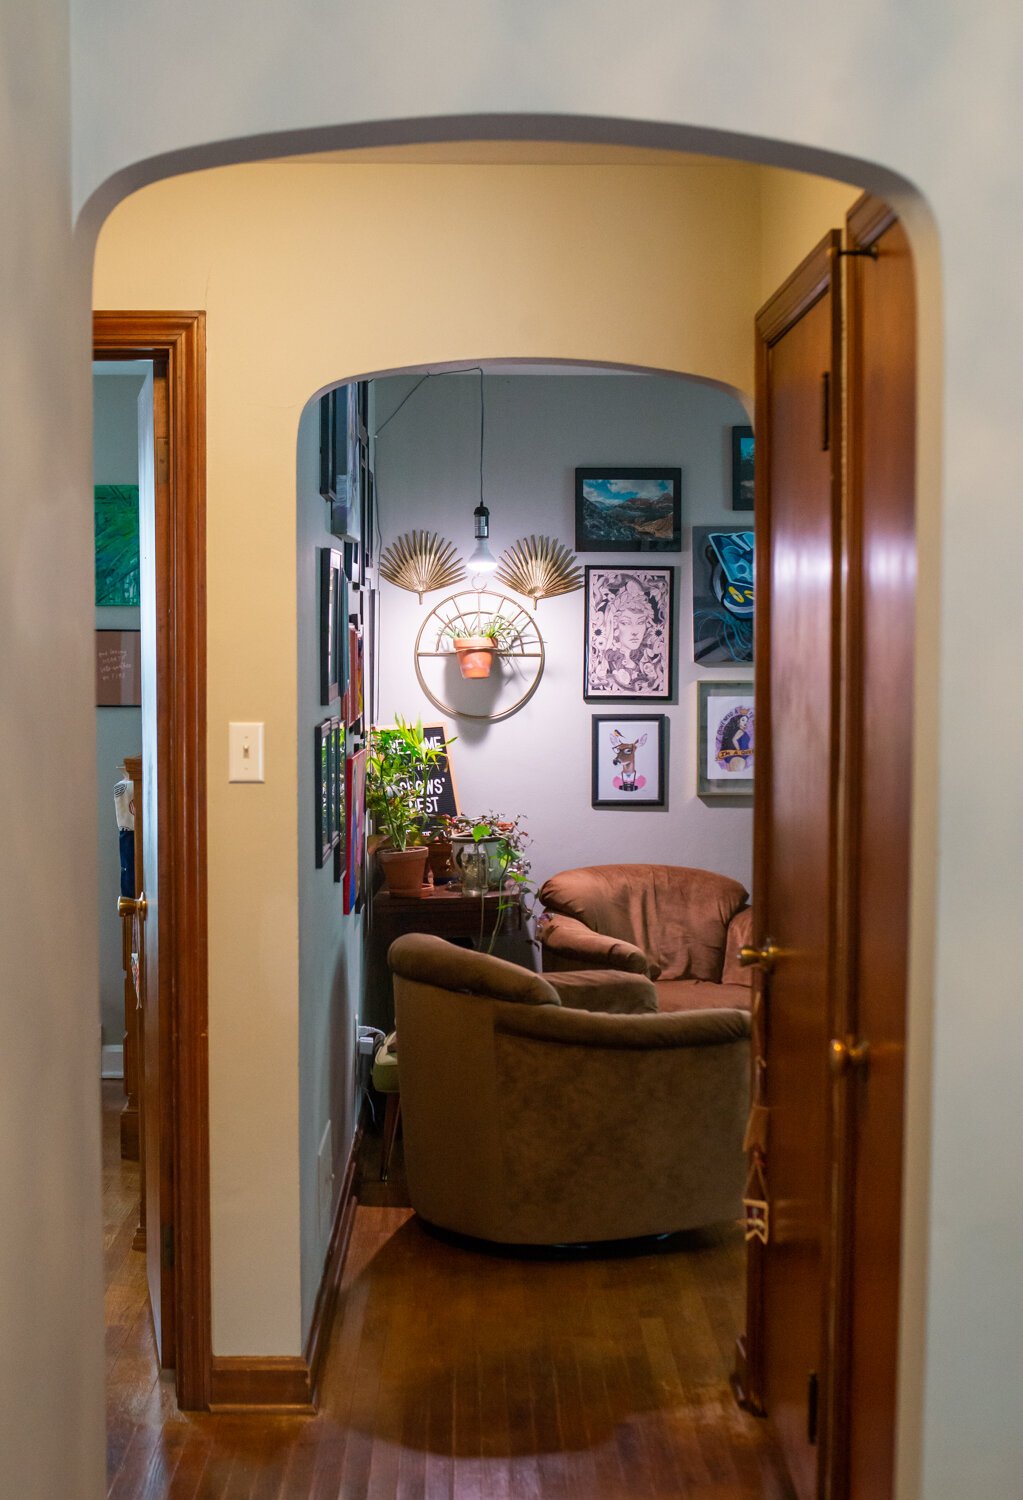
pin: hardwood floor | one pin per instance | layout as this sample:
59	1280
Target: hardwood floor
454	1372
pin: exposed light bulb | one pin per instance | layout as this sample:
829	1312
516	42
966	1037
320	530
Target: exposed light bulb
481	559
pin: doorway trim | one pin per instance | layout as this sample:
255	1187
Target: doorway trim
179	338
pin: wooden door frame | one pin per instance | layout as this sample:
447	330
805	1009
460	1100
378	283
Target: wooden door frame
179	339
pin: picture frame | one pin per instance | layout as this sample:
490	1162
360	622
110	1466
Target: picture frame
629	762
337	787
354	846
743	448
333	612
629	633
117	555
723	595
726	738
118	669
326	832
628	510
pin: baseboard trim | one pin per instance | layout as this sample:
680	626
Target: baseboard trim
333	1267
289	1383
111	1062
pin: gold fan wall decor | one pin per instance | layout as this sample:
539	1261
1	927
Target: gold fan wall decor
421	561
539	566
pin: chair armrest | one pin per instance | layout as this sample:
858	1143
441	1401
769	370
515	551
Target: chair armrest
570	944
613	991
637	1033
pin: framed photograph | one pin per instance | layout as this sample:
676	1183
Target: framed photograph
723	596
628	510
629	634
354	883
630	756
326	833
726	739
742	468
118	668
338	794
332	613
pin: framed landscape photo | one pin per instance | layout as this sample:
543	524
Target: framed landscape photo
628	510
726	739
629	634
742	468
629	761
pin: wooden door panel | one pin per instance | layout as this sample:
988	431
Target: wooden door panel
882	498
794	832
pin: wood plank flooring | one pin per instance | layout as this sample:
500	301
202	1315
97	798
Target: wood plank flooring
457	1373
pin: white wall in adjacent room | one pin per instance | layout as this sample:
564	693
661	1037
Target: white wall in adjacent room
538	429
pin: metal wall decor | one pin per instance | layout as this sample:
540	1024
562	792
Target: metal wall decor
421	561
519	655
540	567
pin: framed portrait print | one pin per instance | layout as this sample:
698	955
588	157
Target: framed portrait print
629	634
630	761
628	510
726	739
742	468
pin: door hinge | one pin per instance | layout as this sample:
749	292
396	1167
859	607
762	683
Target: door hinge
811	1407
168	1246
826	411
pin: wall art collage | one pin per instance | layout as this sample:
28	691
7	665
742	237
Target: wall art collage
630	631
349	628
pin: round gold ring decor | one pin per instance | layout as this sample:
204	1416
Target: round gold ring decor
458	616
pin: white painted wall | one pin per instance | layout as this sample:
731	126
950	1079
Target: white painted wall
115	460
538	429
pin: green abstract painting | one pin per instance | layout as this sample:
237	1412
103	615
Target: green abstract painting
117	544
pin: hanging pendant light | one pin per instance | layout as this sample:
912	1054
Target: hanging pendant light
481	559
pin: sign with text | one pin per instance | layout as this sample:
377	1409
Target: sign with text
118	669
441	791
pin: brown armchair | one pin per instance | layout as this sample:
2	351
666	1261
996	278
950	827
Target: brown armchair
682	928
528	1121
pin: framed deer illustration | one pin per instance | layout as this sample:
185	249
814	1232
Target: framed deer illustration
630	761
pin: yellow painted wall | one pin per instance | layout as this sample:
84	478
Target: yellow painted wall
310	273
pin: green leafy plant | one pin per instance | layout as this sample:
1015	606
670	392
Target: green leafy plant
510	842
398	767
493	628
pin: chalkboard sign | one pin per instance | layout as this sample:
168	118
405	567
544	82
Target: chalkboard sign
441	792
118	669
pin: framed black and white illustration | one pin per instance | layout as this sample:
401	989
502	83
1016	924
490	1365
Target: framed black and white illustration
333	611
742	468
726	739
629	634
630	756
628	510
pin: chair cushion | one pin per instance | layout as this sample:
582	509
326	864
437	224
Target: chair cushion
607	990
431	960
678	916
675	995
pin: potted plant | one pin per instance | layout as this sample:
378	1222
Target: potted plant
398	767
475	640
505	841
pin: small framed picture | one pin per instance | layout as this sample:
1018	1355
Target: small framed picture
326	832
628	510
726	739
332	613
629	634
630	761
118	668
724	587
742	468
337	787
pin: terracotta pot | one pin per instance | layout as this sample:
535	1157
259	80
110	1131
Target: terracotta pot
439	855
404	869
475	655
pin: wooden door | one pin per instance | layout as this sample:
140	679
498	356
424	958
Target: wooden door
868	1085
798	406
156	1033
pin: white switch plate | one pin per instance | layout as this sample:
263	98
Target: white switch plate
245	752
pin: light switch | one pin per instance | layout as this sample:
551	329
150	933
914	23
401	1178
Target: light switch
245	752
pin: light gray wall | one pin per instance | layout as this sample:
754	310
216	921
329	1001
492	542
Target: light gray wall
115	460
330	944
538	429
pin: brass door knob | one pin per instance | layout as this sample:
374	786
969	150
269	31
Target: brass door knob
845	1056
130	906
760	958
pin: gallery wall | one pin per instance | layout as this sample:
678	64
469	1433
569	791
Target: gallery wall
115	460
538	429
